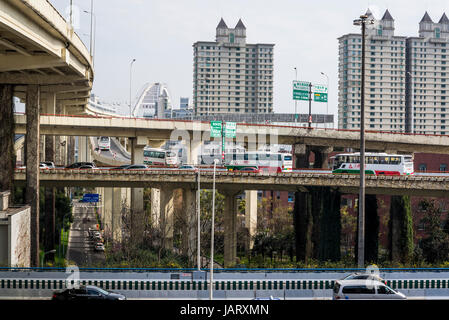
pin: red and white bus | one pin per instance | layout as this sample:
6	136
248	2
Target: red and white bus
264	160
375	163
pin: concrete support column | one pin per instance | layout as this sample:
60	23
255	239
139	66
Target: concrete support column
32	166
322	157
155	196
108	207
7	156
230	227
167	216
118	195
50	212
302	153
251	215
193	152
189	230
152	143
84	149
137	207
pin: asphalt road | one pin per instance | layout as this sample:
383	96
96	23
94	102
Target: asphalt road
80	249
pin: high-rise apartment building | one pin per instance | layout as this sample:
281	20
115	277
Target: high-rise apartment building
384	77
405	78
428	76
230	75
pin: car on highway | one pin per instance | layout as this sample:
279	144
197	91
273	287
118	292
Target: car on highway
248	169
48	164
137	167
99	246
186	167
43	166
122	167
363	290
364	276
82	165
86	293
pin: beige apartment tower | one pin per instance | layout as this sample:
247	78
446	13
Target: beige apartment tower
230	75
406	78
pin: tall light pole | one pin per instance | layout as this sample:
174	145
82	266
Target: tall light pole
327	100
130	84
212	237
93	30
198	214
296	102
362	21
409	116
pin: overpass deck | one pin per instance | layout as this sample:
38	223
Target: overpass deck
435	186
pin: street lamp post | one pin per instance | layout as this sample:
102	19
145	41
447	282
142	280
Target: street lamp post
212	236
327	100
130	84
362	21
198	214
93	30
409	128
296	102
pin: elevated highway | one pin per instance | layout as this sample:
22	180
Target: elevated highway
435	186
167	129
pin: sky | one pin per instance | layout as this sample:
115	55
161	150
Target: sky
159	34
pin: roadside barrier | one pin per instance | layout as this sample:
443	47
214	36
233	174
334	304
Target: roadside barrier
203	285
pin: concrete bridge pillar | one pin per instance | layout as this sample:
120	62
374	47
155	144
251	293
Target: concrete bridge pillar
155	198
32	166
108	204
118	198
7	157
251	215
137	206
59	160
230	227
50	212
301	152
193	152
189	230
166	216
322	157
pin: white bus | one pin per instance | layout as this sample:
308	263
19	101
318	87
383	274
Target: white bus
265	161
154	156
375	163
104	143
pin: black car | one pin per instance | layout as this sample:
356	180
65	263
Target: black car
82	165
86	293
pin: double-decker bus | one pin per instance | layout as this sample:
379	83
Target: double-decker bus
264	160
104	143
154	156
375	163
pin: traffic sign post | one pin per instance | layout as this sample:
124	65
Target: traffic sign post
91	197
319	93
301	90
215	129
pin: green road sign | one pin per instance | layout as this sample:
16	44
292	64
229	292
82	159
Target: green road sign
301	90
215	129
230	129
319	97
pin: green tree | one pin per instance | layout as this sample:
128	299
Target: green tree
401	229
435	246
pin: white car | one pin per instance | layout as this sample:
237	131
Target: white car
99	247
364	290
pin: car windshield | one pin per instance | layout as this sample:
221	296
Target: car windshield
102	291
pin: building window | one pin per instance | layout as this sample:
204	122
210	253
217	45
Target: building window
231	38
423	167
443	167
379	31
437	33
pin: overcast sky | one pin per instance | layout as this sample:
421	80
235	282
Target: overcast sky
159	34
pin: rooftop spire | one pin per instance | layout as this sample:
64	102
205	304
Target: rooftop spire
426	18
222	24
240	25
444	19
387	16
